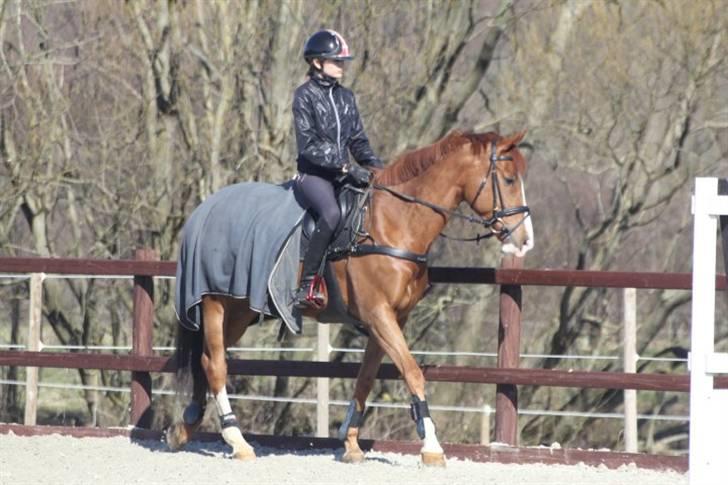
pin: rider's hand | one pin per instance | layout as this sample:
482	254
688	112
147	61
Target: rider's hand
374	163
359	175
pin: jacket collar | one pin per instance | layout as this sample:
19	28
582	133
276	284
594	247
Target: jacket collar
323	80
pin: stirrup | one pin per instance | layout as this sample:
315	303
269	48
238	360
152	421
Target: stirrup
308	294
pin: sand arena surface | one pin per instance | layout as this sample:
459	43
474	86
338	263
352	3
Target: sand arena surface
61	459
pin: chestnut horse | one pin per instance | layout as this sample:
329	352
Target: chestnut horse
415	197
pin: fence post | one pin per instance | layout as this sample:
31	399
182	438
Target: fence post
708	428
629	355
34	344
322	383
141	382
723	190
509	340
485	424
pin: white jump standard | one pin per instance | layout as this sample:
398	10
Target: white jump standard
708	423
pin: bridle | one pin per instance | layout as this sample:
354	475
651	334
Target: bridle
499	211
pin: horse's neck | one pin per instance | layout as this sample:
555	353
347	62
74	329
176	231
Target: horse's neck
414	226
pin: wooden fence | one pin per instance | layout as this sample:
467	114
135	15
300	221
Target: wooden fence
507	376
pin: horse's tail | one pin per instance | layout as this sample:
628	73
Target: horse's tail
189	360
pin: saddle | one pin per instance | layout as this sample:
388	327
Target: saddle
353	204
349	239
350	233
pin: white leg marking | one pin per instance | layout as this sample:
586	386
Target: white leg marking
222	402
430	443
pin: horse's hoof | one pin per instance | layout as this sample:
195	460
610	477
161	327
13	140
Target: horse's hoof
433	459
353	457
177	436
247	454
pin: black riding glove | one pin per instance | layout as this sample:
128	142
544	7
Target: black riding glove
359	175
374	163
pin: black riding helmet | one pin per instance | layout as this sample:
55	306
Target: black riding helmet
326	44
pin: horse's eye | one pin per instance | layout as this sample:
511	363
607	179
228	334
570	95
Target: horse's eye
509	180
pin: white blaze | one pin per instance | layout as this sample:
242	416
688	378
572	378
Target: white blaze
509	247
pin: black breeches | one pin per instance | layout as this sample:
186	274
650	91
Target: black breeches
318	193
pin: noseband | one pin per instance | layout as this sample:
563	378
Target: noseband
499	211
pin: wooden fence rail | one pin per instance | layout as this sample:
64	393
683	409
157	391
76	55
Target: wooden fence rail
440	274
348	370
506	376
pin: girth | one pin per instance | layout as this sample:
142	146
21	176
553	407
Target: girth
388	251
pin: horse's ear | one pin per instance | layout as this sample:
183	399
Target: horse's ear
510	141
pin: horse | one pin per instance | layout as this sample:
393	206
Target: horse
412	200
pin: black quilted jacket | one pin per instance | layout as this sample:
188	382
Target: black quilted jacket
328	127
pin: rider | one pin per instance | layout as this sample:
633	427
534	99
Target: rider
327	124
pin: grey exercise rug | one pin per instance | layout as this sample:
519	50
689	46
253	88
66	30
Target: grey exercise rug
243	241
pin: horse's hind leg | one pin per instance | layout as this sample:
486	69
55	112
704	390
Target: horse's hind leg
349	431
189	359
215	319
180	433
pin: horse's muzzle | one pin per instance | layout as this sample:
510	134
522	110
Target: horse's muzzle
519	239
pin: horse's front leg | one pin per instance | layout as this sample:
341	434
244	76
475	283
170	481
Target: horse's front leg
387	332
349	431
213	361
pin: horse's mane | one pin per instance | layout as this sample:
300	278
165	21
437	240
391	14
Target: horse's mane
411	164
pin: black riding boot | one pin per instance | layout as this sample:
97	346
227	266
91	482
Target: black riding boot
312	262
